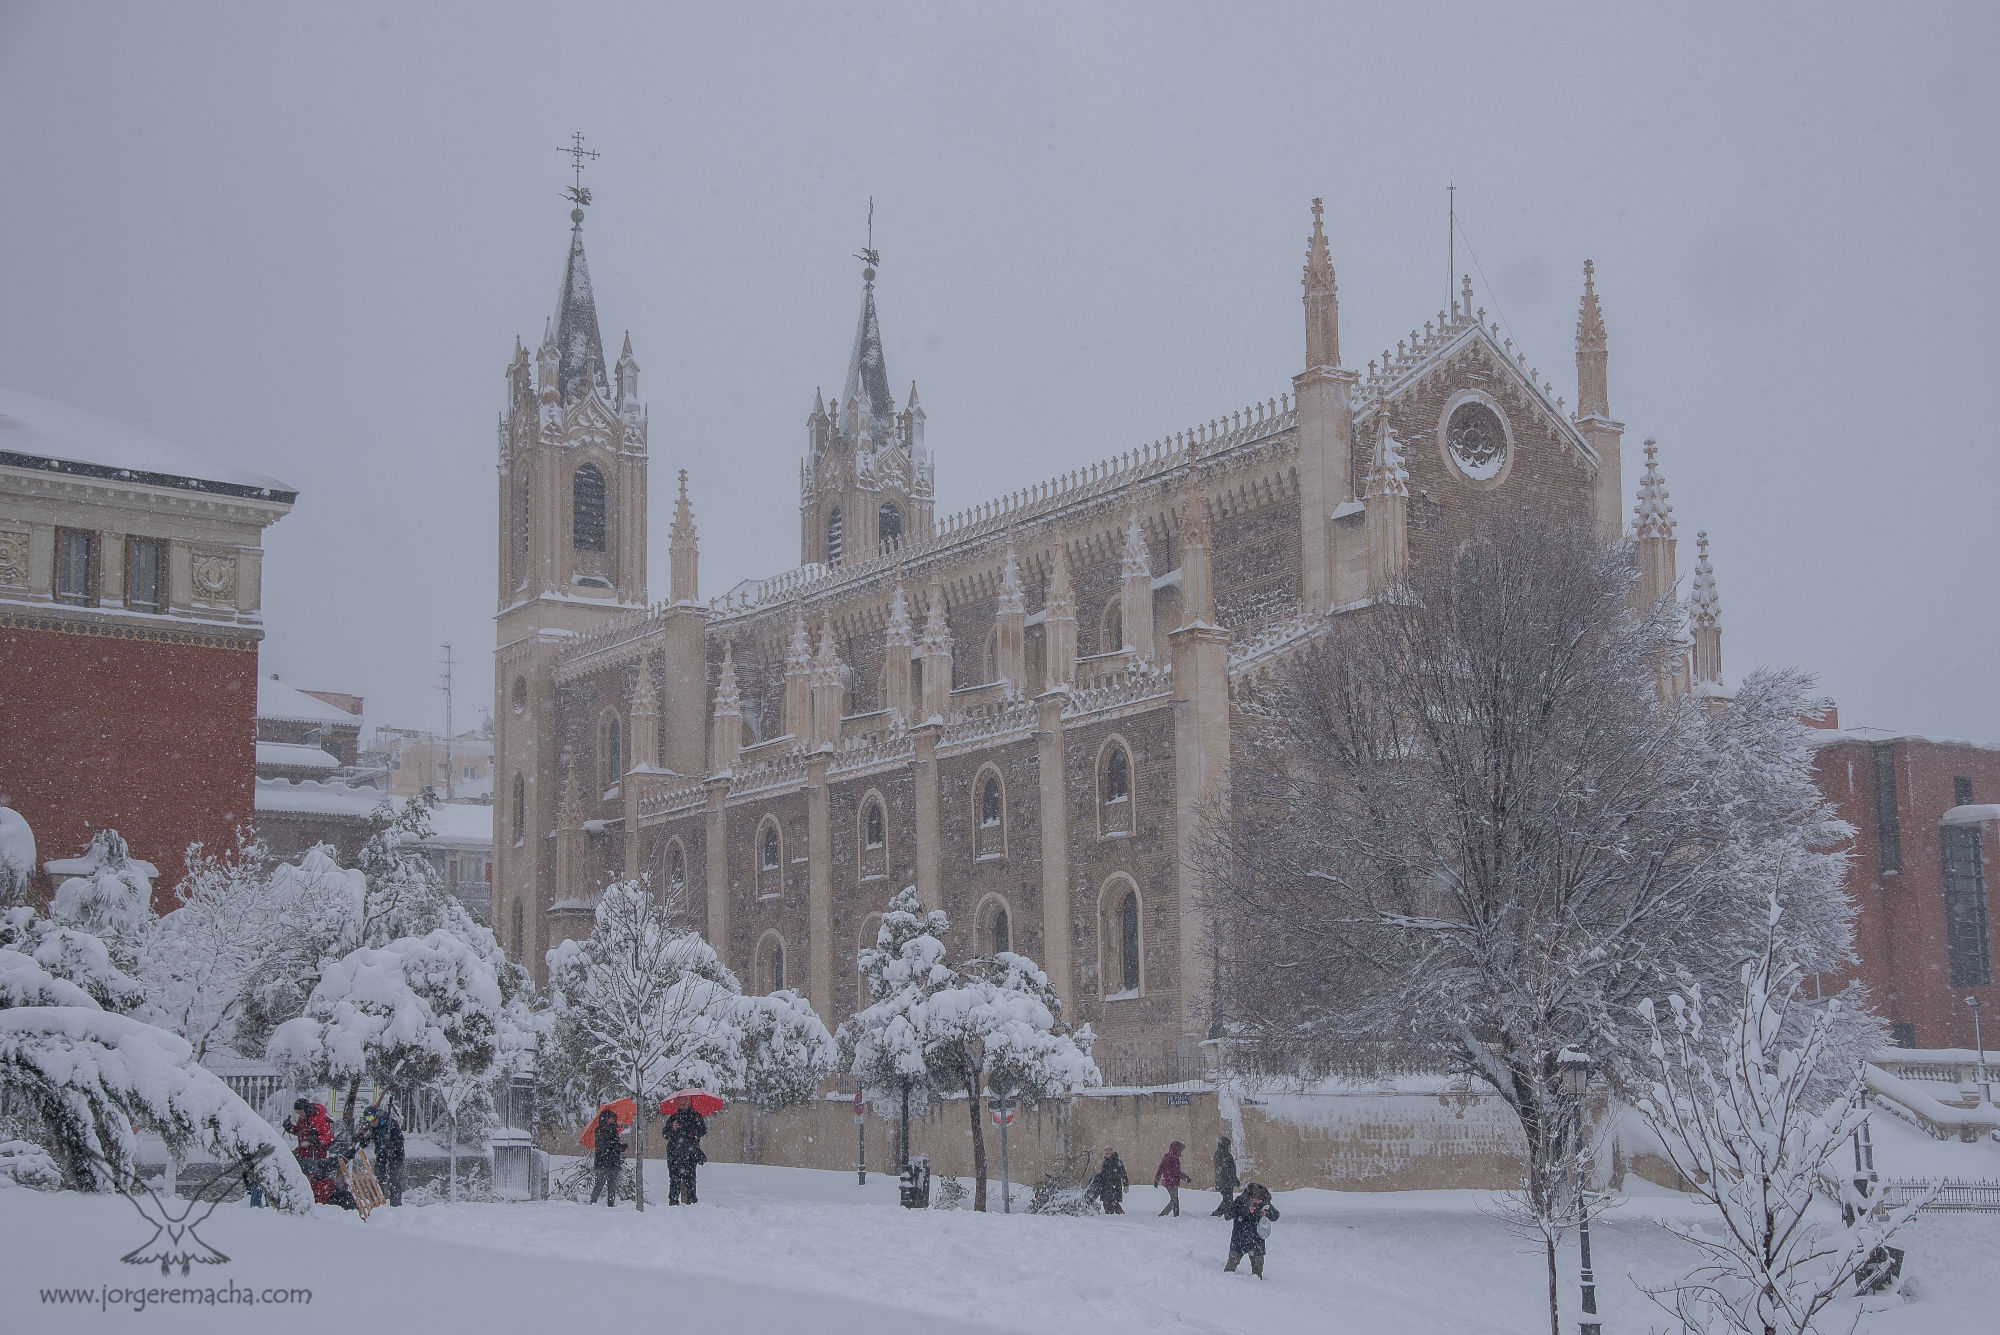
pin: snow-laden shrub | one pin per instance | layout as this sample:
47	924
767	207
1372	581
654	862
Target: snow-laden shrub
68	954
787	1051
111	899
89	1077
950	1194
26	1164
17	859
574	1182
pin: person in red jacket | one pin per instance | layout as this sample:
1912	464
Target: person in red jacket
1170	1176
314	1130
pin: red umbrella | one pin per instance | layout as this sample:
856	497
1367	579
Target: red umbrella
705	1103
626	1110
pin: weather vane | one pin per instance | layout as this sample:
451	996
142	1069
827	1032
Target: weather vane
869	255
578	195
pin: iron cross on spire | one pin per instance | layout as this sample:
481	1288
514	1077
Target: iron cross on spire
869	256
578	195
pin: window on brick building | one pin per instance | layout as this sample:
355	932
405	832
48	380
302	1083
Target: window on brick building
586	492
995	928
770	859
1961	792
76	567
520	809
874	839
610	758
770	963
676	871
834	536
520	695
1111	627
1122	974
890	525
520	933
1888	829
990	811
1114	790
1903	1035
1966	941
145	574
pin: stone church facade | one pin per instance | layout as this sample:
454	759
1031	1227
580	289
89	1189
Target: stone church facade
1018	708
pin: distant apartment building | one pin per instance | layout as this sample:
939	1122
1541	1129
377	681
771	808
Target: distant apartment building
1926	816
460	768
131	608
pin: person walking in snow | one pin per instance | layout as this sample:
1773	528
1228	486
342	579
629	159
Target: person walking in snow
607	1157
1169	1175
1111	1183
1225	1176
684	1153
1250	1218
381	1132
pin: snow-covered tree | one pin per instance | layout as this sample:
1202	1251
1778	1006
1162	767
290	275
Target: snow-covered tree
641	1008
787	1051
1741	1118
415	1012
197	963
72	955
17	859
87	1080
1482	835
999	1023
878	1044
111	899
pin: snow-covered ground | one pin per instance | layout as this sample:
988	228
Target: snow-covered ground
774	1248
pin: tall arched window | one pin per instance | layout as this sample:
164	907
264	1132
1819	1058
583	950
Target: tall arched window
520	810
520	933
520	695
677	875
586	493
521	526
874	839
990	808
610	760
1111	627
1114	790
1128	941
890	524
995	928
833	536
771	963
1121	941
770	859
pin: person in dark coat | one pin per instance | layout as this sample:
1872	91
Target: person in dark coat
1225	1176
607	1157
1246	1212
314	1130
1111	1182
1169	1175
382	1133
684	1153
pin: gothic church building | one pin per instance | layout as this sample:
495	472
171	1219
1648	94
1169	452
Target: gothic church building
1017	708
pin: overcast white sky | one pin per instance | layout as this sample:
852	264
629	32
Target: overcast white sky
303	239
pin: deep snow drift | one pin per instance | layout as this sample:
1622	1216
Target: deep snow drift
774	1248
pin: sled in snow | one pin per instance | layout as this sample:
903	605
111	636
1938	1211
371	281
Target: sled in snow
361	1184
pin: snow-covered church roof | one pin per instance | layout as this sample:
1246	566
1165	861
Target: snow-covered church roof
54	437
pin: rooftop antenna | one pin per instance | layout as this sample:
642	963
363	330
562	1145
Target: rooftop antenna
444	686
1451	242
870	257
577	194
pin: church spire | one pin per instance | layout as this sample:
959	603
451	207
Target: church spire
683	551
1322	298
1592	394
867	385
579	346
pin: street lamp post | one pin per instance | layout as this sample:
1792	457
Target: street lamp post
1985	1086
1576	1082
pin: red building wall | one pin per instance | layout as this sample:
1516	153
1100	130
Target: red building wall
1900	921
153	737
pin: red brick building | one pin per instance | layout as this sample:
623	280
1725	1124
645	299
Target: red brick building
130	597
1926	818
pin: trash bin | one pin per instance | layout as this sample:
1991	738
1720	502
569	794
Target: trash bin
916	1188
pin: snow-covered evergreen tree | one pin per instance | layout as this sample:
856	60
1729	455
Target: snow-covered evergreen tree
17	859
72	955
415	1012
786	1049
878	1044
111	899
1000	1023
1741	1119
